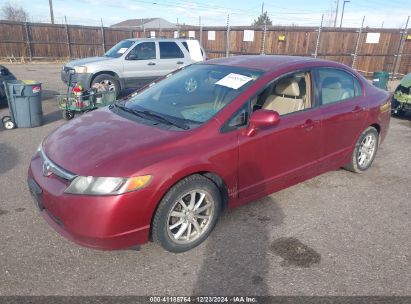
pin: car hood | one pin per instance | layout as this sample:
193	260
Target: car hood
86	61
406	81
101	143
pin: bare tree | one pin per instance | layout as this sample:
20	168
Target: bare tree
14	13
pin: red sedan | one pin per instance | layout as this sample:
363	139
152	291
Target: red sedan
165	162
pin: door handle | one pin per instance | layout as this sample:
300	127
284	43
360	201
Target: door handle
356	109
180	62
151	63
308	125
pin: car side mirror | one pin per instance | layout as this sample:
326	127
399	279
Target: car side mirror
132	57
261	119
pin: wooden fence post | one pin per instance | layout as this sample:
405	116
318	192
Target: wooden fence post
357	45
227	47
201	31
317	45
28	40
397	61
264	38
103	39
68	41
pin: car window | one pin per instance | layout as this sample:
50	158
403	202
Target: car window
357	87
119	49
185	45
143	51
239	119
169	50
288	94
196	93
336	85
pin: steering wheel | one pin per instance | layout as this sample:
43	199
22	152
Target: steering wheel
191	85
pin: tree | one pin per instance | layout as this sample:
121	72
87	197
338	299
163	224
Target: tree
262	20
14	13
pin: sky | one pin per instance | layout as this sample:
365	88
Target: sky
386	13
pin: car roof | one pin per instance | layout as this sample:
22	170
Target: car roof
159	39
266	62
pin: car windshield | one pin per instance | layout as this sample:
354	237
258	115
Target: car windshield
119	49
196	93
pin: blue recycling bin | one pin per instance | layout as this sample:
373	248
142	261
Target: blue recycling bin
25	103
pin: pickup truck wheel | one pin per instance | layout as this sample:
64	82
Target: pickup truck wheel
110	82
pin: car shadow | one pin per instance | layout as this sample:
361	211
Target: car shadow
9	158
48	94
237	251
405	116
52	117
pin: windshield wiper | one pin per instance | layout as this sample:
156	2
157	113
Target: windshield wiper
165	119
157	117
124	108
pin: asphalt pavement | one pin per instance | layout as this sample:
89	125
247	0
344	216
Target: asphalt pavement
337	234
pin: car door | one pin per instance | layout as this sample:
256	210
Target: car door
343	115
284	154
140	64
171	56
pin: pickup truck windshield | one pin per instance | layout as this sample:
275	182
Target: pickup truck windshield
196	93
119	49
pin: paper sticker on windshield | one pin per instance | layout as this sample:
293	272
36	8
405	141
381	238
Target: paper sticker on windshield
122	50
234	81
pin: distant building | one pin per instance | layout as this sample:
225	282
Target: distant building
147	23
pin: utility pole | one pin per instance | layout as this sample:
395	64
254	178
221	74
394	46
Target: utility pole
51	11
342	13
262	8
336	14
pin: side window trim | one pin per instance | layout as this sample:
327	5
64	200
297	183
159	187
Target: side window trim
226	127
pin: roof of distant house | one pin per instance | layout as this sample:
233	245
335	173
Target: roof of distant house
145	22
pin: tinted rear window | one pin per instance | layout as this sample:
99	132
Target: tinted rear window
170	50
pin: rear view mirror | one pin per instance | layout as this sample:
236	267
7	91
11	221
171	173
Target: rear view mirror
132	57
261	119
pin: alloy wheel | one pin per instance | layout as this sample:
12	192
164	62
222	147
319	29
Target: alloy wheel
366	150
190	217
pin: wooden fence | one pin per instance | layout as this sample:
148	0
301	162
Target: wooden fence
390	52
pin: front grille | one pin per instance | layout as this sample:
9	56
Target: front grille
49	166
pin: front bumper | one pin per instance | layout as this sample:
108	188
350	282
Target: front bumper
101	222
84	78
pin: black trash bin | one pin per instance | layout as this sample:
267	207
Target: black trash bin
25	102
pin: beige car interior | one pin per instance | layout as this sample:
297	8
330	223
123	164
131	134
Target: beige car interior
288	95
332	90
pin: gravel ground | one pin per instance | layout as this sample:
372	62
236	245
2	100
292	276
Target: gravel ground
337	234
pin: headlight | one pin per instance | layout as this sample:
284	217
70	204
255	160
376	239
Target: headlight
107	185
80	69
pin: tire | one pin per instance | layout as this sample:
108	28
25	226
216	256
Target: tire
68	115
8	124
109	81
5	118
364	151
173	232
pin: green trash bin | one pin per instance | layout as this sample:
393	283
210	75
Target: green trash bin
25	102
380	79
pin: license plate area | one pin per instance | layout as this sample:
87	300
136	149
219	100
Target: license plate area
36	192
